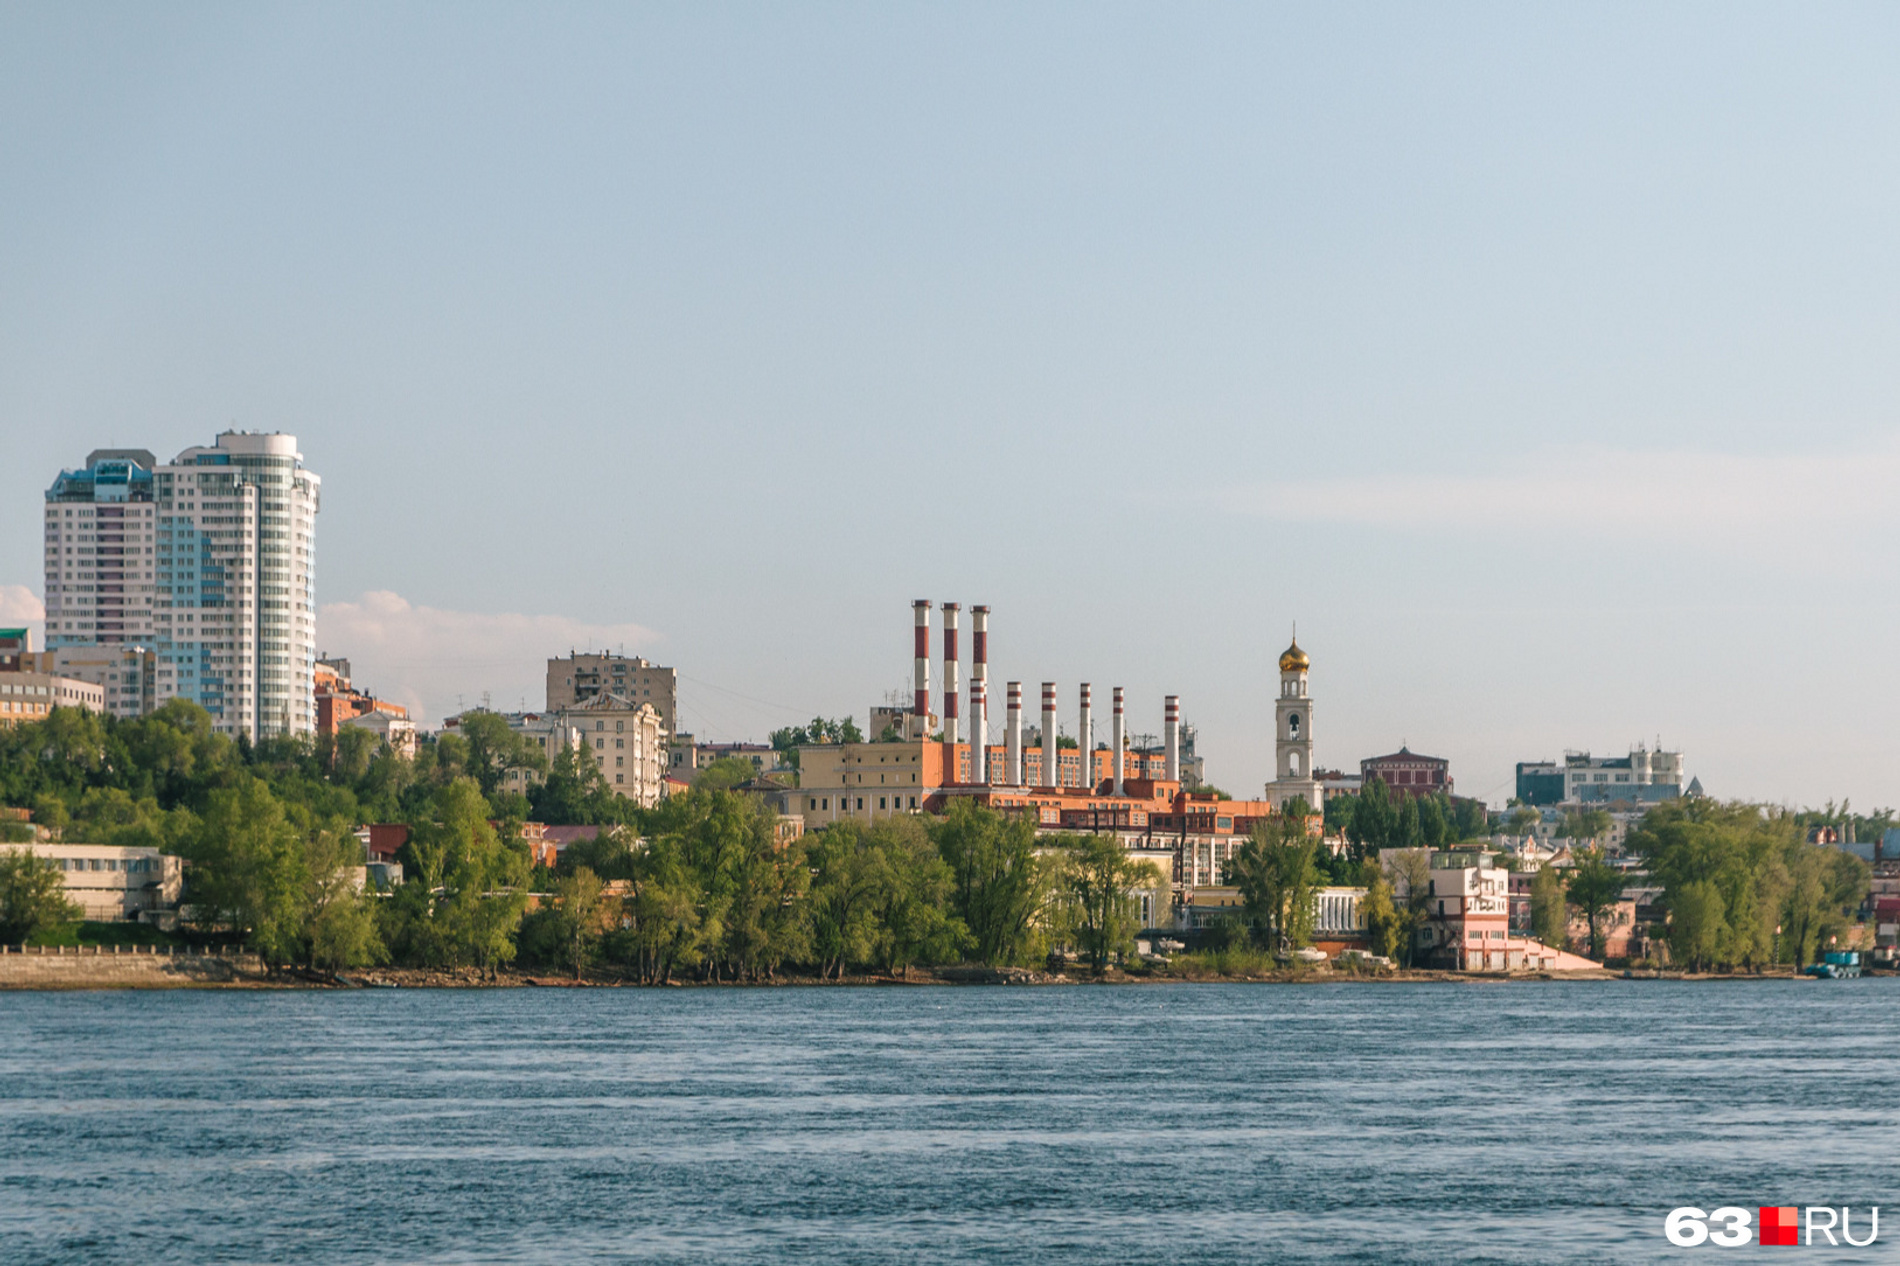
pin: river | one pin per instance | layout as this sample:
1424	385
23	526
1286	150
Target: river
1388	1123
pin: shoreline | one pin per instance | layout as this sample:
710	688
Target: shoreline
91	974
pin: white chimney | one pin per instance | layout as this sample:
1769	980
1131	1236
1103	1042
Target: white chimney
1117	739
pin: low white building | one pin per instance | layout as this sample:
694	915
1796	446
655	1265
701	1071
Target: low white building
111	884
399	733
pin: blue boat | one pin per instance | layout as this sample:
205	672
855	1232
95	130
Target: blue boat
1835	965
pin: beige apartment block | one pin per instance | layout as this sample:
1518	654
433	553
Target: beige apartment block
110	883
578	678
628	741
30	696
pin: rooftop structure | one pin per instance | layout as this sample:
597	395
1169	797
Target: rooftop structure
1645	776
1408	773
582	675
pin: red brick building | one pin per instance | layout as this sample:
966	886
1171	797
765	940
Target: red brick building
1408	772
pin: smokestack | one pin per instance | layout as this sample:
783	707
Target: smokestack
950	672
1013	737
980	695
1085	729
1051	766
1171	725
1117	739
979	732
920	671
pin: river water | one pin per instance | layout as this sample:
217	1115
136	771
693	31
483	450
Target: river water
1523	1122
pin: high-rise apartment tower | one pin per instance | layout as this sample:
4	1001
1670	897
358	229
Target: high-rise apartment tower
209	560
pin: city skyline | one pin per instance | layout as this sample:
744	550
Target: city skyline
1530	360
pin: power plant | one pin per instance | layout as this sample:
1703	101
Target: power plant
925	765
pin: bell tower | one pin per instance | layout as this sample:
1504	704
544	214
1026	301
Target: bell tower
1293	734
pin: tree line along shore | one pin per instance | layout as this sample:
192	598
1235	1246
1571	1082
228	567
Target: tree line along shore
704	888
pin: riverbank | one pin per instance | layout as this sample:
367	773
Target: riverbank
57	968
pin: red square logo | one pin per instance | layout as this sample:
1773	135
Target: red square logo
1779	1225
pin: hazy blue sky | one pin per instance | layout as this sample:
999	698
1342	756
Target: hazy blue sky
1539	360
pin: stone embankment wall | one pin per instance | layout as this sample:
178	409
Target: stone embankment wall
123	967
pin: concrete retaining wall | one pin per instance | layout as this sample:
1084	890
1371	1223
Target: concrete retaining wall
95	967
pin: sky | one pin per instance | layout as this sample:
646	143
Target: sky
1538	360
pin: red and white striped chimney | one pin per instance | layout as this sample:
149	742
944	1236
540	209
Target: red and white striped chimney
920	671
979	695
1051	762
1013	737
1117	739
1171	736
950	682
1085	730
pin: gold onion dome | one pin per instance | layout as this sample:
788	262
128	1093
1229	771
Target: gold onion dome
1294	660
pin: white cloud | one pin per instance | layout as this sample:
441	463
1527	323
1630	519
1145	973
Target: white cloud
20	605
1780	506
425	657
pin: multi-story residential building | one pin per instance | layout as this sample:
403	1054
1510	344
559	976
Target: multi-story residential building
128	675
1407	772
209	560
110	883
1469	914
626	739
1645	776
580	677
629	744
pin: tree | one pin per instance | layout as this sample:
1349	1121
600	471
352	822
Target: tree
340	922
1275	874
580	911
1585	824
1374	820
1696	924
576	792
999	888
1523	820
1099	878
725	773
1384	925
1550	913
917	923
32	896
1594	887
1409	871
1760	872
851	885
247	870
495	750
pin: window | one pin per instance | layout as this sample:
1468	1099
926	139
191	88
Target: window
860	802
620	778
880	802
620	742
913	802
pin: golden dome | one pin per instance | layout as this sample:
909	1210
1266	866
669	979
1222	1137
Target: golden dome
1295	660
